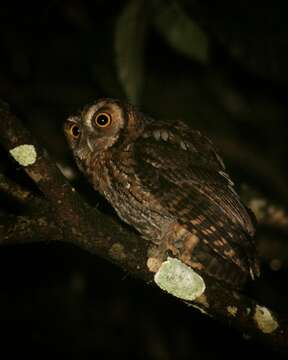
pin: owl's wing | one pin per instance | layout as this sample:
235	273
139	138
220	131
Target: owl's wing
183	170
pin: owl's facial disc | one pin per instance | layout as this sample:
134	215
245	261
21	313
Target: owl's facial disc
97	128
103	122
105	117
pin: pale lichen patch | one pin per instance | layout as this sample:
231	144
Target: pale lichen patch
117	252
264	320
232	310
24	154
179	280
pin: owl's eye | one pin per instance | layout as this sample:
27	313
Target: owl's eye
75	131
103	120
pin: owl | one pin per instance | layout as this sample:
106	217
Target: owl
168	182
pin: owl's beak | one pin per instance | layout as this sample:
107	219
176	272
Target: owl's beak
89	144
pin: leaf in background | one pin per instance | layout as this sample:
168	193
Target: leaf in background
182	33
130	33
255	36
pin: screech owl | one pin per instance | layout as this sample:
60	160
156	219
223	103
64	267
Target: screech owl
167	181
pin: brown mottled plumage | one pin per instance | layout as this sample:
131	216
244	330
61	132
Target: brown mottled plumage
168	182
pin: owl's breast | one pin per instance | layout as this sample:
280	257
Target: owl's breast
116	179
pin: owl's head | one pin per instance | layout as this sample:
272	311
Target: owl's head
100	126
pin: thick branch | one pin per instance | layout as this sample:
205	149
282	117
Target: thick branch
105	236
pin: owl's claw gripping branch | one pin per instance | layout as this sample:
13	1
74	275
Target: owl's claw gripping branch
66	217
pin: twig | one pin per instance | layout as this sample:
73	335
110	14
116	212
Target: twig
103	235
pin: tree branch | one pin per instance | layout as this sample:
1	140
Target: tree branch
71	219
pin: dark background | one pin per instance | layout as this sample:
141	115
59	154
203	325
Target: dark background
57	56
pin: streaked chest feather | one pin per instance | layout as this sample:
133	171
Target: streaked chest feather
118	182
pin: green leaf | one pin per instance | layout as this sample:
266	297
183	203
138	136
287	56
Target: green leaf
130	33
182	33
